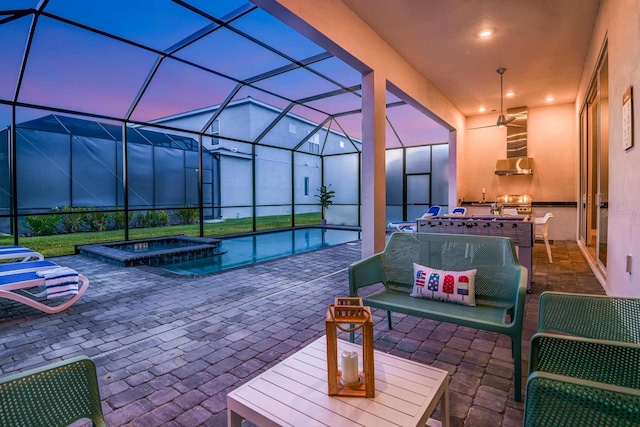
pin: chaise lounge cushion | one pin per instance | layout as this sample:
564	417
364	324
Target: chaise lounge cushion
450	286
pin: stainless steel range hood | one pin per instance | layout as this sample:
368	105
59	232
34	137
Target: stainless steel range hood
517	162
515	166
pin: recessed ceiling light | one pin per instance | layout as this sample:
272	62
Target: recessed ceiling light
549	98
485	33
482	109
509	94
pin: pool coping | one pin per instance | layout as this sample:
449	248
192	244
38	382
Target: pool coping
204	247
171	273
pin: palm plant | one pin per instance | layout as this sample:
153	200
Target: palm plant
325	198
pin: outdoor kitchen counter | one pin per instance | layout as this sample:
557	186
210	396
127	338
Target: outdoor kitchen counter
534	204
562	226
519	228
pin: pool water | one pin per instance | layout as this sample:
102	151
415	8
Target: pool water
247	250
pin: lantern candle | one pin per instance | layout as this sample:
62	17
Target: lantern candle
350	373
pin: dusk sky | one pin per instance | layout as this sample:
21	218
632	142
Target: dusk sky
83	71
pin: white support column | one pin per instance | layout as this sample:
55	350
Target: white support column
374	88
453	170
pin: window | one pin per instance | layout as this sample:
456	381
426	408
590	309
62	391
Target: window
314	148
314	144
306	185
292	128
215	130
341	144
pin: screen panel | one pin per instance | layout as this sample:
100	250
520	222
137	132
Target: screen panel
47	181
273	177
82	71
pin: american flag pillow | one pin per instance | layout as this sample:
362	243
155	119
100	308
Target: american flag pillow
450	286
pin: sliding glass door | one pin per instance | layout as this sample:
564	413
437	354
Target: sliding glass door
594	167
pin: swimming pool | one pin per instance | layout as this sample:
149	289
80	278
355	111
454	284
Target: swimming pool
154	251
246	250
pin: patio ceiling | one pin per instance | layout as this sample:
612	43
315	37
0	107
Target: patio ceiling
543	44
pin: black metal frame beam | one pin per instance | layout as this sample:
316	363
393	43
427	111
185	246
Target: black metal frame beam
169	53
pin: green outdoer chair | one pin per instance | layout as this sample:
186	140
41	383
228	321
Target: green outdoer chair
589	377
557	400
54	395
590	316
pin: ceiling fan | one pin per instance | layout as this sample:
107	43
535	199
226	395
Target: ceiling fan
502	119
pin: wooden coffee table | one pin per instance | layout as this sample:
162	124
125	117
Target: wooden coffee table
294	393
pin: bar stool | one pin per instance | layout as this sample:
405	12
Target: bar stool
541	232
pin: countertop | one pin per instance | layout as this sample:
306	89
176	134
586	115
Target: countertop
478	217
534	204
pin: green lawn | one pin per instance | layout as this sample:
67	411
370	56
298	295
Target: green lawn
64	244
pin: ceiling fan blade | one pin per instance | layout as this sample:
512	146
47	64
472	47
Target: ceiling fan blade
483	127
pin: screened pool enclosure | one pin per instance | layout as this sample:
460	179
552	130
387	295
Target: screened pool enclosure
126	119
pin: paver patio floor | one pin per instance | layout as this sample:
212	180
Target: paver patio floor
168	348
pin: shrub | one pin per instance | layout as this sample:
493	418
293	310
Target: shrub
159	218
42	225
117	220
188	215
71	218
96	221
140	220
151	219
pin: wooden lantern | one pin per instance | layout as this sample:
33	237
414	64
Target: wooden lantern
352	312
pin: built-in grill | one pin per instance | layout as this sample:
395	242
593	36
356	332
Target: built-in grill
517	228
521	203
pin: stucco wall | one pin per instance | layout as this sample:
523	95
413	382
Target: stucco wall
619	23
551	142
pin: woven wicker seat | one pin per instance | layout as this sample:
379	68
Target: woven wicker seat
500	284
54	395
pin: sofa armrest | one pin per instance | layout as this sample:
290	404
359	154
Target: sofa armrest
365	272
519	303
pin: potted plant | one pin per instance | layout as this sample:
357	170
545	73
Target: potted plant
325	198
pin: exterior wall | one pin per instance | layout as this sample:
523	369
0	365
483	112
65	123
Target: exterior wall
235	122
194	123
306	165
619	23
258	120
248	120
236	192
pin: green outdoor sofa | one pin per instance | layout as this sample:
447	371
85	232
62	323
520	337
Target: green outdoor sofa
500	283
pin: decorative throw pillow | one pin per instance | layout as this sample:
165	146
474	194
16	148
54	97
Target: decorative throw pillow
450	286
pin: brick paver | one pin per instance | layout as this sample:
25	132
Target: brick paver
168	348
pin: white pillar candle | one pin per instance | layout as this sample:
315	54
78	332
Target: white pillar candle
350	373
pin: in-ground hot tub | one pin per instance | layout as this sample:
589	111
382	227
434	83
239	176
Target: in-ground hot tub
154	251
